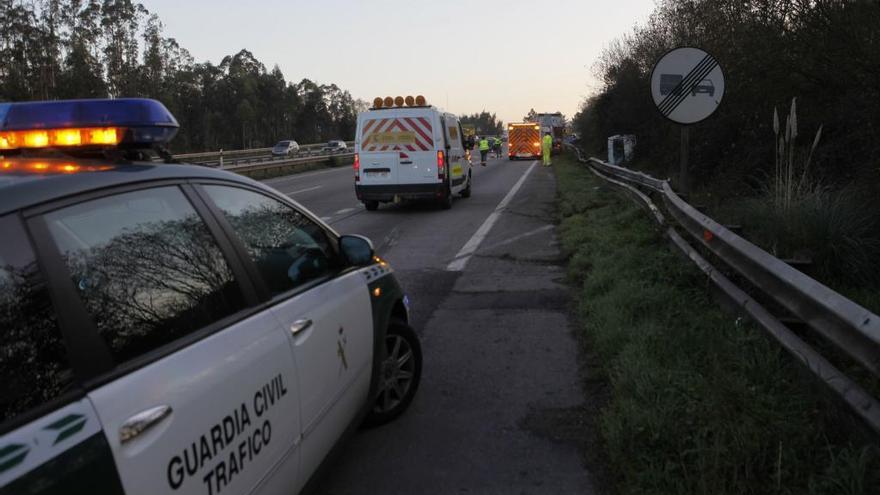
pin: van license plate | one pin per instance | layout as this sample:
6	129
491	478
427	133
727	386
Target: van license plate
381	175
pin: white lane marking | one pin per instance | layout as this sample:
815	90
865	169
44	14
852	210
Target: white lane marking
518	237
302	190
326	219
344	211
461	259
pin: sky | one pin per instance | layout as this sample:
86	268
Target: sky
505	57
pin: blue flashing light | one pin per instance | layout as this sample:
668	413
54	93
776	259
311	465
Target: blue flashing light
145	121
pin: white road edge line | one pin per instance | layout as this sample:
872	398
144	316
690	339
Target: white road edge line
303	190
461	259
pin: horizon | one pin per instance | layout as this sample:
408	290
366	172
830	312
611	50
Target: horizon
550	75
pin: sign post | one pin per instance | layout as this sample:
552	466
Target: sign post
683	179
687	85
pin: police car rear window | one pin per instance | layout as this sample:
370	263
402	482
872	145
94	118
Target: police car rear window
33	363
146	267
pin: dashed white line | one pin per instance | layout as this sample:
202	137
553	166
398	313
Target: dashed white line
461	259
344	211
304	190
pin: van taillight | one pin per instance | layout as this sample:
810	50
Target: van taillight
357	167
441	165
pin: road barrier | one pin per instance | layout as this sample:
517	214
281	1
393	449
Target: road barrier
227	158
263	170
852	328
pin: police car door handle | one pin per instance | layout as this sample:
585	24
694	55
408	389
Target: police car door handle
299	326
142	422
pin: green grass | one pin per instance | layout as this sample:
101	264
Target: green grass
699	403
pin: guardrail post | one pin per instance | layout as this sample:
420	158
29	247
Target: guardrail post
221	157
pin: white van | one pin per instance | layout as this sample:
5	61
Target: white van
409	152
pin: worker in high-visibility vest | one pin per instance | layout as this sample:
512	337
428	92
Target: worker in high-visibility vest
484	150
547	148
497	147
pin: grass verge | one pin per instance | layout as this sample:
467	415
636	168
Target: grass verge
699	403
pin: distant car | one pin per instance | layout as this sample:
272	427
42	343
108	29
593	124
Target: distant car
335	146
705	86
284	148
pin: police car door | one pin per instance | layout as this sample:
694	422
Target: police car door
324	306
203	396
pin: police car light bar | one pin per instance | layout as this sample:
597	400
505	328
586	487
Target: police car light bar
77	123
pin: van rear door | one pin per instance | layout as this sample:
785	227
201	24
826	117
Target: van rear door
379	166
403	138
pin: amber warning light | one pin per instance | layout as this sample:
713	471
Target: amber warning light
60	138
77	123
399	101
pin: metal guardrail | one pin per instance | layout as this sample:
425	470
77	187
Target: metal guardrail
254	167
852	328
224	158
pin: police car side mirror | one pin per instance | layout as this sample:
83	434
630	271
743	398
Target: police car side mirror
356	249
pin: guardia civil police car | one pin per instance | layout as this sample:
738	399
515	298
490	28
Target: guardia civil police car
407	149
170	328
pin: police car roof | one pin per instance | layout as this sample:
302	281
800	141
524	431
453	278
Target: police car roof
26	182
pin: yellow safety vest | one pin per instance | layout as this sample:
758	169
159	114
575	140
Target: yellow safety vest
484	145
548	142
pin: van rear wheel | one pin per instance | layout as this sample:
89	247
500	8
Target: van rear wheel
466	192
371	205
446	200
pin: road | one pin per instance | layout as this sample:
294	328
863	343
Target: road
500	402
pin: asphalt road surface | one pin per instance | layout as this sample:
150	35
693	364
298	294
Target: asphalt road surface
498	406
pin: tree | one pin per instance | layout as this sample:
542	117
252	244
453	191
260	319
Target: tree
484	122
98	48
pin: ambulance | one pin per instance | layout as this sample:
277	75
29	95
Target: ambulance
524	140
406	149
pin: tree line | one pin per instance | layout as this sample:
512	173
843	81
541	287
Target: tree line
823	53
484	122
57	49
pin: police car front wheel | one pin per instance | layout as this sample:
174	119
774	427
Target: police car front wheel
400	373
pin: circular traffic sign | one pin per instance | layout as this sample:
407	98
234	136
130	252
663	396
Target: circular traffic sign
687	85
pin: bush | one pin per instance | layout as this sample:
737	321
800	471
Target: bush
834	229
